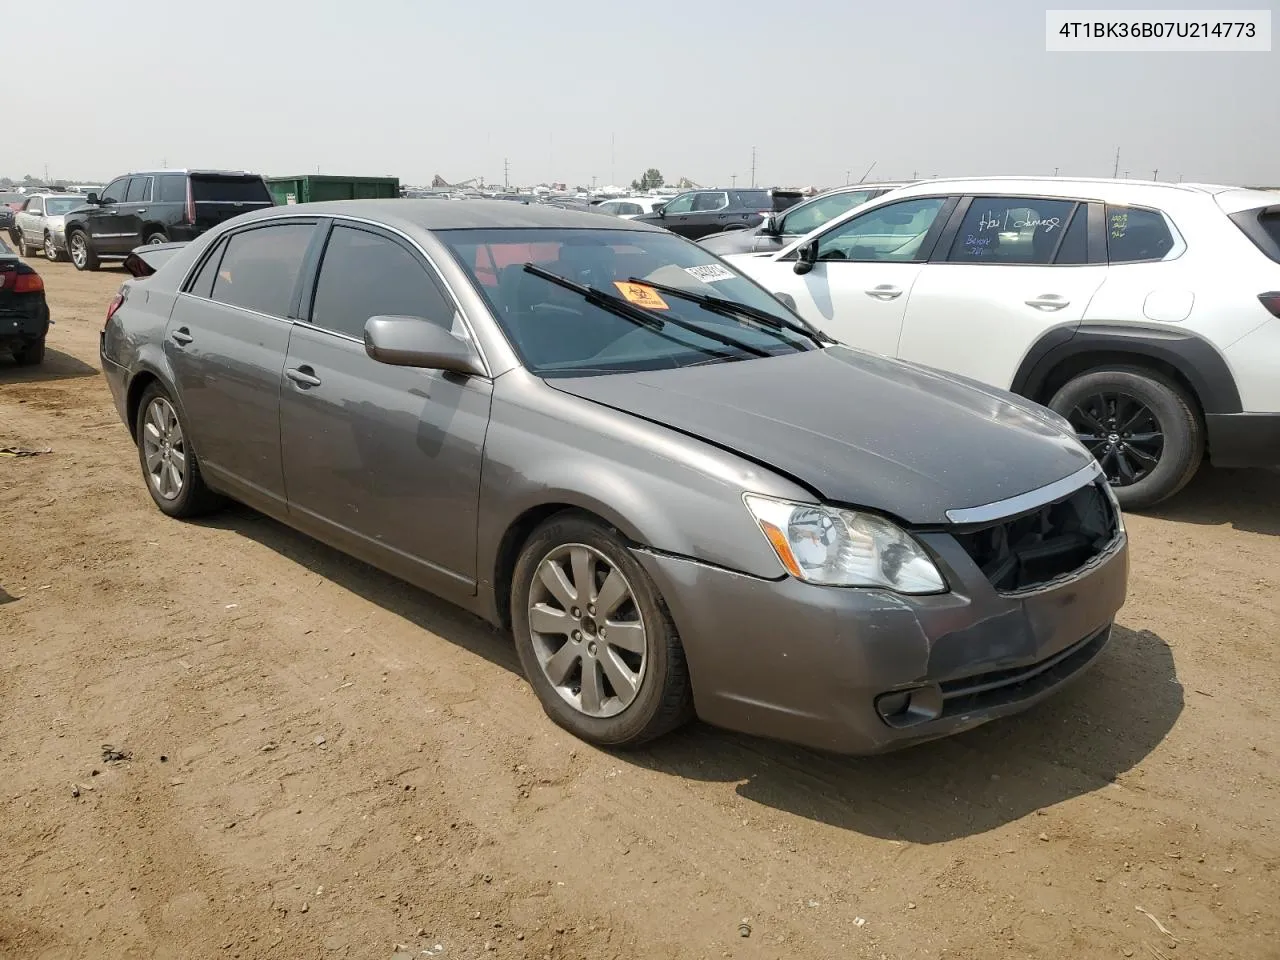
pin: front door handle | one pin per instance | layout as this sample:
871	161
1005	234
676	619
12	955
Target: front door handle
885	291
181	336
303	376
1048	301
141	210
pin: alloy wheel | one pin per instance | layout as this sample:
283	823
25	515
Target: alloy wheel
164	449
50	251
79	250
588	632
1122	433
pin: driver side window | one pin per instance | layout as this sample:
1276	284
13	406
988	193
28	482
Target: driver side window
812	215
894	232
115	190
681	204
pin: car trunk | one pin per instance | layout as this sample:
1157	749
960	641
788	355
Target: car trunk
215	198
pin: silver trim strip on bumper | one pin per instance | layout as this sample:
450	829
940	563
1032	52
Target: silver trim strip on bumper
1026	502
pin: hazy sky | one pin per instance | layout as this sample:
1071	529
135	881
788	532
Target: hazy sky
418	87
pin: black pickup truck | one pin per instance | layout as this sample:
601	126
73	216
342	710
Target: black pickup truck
158	206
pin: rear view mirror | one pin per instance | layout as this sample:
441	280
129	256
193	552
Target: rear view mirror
806	257
415	342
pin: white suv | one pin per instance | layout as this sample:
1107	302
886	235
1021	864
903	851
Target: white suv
1148	314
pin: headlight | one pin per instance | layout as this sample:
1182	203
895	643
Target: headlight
843	548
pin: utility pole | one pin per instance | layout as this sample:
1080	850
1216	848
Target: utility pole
733	178
1055	171
613	159
506	174
593	183
1126	174
46	173
1116	168
913	175
1155	174
848	176
753	166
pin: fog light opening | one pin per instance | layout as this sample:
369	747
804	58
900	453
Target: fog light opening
906	708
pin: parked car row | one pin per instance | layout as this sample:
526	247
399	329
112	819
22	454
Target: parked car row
679	495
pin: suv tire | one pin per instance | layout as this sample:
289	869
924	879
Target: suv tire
81	251
1136	422
651	658
156	237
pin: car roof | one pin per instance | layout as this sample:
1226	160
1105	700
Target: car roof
456	215
188	172
1101	188
58	196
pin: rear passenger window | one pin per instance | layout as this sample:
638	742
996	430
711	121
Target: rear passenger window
202	285
1134	235
139	190
366	275
259	270
171	189
1011	230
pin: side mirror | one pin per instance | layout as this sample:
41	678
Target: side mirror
92	197
415	342
806	257
769	224
661	210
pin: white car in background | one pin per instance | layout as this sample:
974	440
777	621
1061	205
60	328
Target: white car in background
39	225
1147	314
629	208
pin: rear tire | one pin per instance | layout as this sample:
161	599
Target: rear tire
20	241
31	354
81	250
156	237
169	464
1142	427
643	650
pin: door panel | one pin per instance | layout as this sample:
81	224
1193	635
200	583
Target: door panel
861	304
979	320
103	221
228	362
384	457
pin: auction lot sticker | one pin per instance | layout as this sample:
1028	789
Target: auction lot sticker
710	273
641	295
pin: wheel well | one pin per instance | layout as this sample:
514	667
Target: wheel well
137	386
1073	366
513	541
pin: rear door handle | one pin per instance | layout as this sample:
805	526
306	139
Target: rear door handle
141	210
181	336
885	291
303	376
1048	301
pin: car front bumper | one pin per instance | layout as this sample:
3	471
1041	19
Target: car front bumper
807	664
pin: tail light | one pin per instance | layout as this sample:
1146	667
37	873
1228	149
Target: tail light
116	303
27	283
1271	301
191	204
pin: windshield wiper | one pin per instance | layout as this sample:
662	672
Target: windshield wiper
642	316
731	308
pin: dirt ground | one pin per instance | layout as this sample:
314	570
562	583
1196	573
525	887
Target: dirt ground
323	762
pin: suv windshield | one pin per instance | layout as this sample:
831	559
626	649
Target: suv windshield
56	206
566	330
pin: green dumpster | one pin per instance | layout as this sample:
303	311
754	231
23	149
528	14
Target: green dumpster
315	188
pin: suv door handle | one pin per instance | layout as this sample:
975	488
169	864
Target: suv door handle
141	210
303	376
181	336
1048	301
885	291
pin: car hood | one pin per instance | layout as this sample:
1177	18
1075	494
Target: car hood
856	428
731	241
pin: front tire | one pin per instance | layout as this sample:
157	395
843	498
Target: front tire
594	637
156	237
169	464
1141	426
81	250
51	251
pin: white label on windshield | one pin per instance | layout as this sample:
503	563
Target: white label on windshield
710	273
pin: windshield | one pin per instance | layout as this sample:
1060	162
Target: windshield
560	332
56	206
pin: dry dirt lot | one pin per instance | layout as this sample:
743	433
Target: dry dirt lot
324	763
